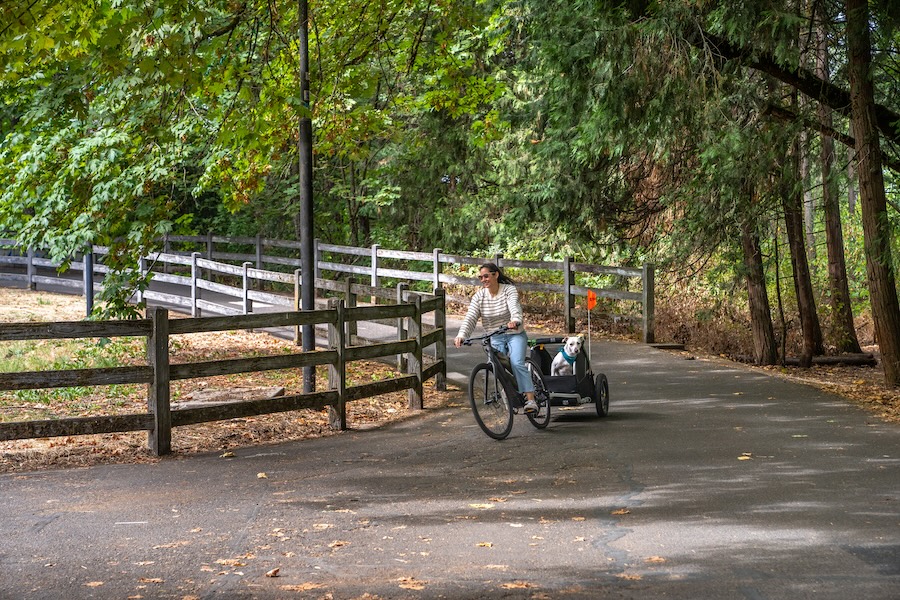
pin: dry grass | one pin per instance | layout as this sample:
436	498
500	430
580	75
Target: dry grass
22	455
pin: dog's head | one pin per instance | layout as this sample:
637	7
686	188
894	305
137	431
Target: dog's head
573	345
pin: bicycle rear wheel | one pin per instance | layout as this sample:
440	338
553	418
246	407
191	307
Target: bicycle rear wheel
541	418
490	405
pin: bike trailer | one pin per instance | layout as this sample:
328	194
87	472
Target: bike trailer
565	390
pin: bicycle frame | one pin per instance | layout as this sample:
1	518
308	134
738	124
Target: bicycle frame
503	372
494	392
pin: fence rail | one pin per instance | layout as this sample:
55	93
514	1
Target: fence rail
334	265
159	372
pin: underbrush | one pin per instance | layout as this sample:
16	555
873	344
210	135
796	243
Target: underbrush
722	325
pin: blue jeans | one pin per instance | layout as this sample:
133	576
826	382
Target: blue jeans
515	345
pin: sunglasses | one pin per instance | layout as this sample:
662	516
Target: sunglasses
485	276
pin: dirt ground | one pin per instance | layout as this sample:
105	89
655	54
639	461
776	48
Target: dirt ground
861	385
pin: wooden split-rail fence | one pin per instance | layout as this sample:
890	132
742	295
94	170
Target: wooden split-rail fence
195	262
159	372
213	275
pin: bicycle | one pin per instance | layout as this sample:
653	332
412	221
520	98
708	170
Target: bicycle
494	394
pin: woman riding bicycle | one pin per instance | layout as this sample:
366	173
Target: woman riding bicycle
497	303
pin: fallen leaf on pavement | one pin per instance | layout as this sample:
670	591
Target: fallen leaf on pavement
273	572
93	584
655	559
517	585
338	544
302	587
230	562
482	506
485	545
621	511
411	583
262	476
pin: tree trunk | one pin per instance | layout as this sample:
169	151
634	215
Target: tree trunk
792	200
764	348
809	203
872	199
843	330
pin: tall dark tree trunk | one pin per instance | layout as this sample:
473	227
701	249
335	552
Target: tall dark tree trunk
872	199
843	330
765	350
792	201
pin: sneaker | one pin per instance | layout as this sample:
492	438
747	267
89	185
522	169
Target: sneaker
530	407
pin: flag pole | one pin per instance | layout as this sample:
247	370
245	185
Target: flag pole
591	303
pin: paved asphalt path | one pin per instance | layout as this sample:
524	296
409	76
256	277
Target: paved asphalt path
706	481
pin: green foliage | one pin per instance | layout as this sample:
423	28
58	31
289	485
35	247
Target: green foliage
613	132
65	355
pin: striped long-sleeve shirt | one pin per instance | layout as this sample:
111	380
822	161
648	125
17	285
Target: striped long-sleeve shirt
494	310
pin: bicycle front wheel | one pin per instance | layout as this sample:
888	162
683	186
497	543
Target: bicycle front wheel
489	402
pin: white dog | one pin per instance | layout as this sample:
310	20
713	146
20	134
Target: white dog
563	363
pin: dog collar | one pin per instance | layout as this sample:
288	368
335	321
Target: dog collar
569	359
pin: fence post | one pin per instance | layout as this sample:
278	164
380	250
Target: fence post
142	267
337	372
350	302
195	291
259	262
317	258
648	279
160	437
88	273
402	288
498	258
209	252
436	271
167	249
568	298
415	357
29	268
247	302
209	246
297	329
376	280
440	347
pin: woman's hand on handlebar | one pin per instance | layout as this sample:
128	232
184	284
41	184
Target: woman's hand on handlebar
514	325
458	342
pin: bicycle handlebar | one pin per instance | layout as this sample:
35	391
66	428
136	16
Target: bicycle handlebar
469	341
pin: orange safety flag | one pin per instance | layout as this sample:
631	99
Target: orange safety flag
591	299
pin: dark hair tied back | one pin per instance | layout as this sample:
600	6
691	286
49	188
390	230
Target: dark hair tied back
501	276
